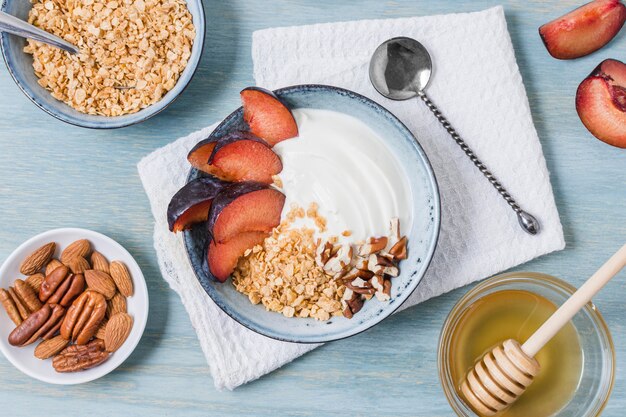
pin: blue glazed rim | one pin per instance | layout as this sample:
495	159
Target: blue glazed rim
207	283
109	122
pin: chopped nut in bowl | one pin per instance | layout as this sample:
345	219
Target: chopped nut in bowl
135	57
73	306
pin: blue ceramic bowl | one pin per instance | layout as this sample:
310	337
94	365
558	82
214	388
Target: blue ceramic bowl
20	66
422	236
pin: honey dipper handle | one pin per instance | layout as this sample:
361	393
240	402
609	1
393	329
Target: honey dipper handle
577	301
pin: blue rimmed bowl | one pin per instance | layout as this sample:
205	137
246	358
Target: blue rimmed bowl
20	66
426	215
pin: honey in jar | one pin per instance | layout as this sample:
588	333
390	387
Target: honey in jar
516	314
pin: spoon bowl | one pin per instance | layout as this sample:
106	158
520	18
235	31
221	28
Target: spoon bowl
400	68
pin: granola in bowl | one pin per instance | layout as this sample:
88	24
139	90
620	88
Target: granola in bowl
294	273
132	52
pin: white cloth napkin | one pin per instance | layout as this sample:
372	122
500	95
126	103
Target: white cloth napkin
477	85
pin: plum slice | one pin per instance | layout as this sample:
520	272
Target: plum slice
244	207
267	116
601	102
237	156
222	257
584	30
191	204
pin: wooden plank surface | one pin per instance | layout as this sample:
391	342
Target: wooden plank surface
55	175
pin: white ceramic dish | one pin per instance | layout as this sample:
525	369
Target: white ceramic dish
23	358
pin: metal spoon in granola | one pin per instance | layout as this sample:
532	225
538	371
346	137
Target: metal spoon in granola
400	70
12	24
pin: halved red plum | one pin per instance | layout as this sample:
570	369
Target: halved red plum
601	102
191	204
237	156
267	116
222	257
584	30
244	207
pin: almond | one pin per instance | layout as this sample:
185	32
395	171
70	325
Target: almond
80	247
49	348
78	265
115	305
101	330
101	282
35	282
122	278
36	260
117	331
99	262
52	265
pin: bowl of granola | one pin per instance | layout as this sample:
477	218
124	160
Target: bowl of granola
310	214
135	57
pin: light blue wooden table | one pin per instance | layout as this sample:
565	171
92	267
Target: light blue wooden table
55	175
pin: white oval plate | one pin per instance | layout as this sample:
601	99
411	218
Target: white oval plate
23	358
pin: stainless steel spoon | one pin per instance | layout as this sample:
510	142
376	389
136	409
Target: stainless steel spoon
12	24
400	69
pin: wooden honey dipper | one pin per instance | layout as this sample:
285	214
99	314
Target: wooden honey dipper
503	374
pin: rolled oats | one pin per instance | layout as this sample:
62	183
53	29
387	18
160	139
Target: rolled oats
282	274
143	44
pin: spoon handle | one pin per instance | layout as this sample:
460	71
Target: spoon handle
526	220
575	303
12	24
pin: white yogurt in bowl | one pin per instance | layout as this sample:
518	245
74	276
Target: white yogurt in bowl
340	163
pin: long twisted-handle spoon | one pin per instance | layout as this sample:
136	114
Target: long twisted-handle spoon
400	69
12	24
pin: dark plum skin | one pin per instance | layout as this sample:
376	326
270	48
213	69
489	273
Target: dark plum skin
190	205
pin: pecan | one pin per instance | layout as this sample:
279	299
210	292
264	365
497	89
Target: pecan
323	253
50	327
380	264
10	307
360	286
398	250
38	324
373	245
27	295
80	357
84	317
52	281
24	331
351	302
77	286
382	286
21	307
60	290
